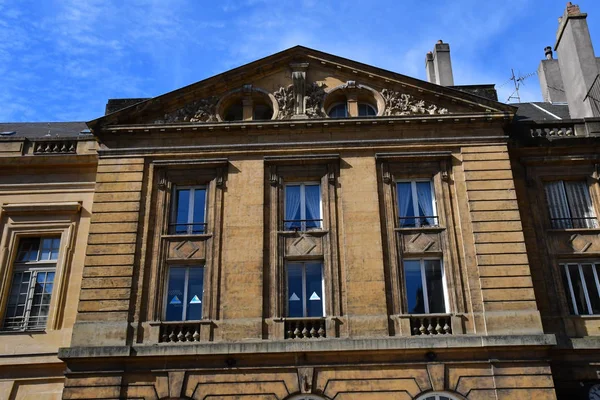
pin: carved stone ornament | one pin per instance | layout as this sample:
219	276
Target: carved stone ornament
203	110
286	102
397	103
314	99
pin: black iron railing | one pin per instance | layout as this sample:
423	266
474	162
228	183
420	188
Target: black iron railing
416	222
302	224
569	223
187	229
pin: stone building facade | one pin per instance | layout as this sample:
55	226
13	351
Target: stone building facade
303	227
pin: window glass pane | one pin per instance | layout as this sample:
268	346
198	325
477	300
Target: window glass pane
28	249
425	206
435	286
405	204
366	110
414	287
292	207
580	204
194	293
182	212
590	283
338	111
294	293
567	289
578	289
557	205
175	298
199	210
314	290
55	248
313	206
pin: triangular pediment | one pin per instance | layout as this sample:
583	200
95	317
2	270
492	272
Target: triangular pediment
300	83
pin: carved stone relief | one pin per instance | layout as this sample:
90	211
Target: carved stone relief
397	103
203	110
314	100
285	100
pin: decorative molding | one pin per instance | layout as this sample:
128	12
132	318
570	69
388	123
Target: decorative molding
387	176
273	177
70	207
285	100
445	170
397	103
314	100
332	171
305	379
203	110
299	86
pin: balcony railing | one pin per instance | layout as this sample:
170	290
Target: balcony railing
418	222
179	332
305	328
552	130
302	224
431	324
187	229
55	147
570	223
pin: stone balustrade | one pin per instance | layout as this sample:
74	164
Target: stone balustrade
552	130
431	324
179	332
305	328
55	147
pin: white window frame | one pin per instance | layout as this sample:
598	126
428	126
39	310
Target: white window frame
304	293
33	267
571	292
185	290
424	281
190	216
303	204
415	199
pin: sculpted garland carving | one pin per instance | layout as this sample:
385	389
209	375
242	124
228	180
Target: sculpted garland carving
203	110
285	100
397	103
314	100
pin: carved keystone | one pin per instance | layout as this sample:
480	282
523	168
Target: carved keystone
305	379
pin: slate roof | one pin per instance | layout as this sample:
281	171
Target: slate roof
34	130
538	111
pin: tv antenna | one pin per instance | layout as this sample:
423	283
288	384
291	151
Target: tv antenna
518	82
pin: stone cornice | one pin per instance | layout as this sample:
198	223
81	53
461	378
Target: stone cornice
310	123
448	342
247	148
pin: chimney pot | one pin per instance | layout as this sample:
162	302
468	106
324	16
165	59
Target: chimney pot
548	53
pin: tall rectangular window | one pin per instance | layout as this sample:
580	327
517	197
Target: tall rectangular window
31	288
582	287
189	211
302	206
416	204
184	293
305	290
425	286
570	205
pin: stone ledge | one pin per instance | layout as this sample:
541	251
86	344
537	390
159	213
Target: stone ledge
316	345
584	343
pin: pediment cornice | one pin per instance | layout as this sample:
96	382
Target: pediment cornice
299	83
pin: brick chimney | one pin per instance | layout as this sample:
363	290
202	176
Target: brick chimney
577	62
439	65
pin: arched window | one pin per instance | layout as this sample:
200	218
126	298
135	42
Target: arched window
234	112
437	396
339	110
366	110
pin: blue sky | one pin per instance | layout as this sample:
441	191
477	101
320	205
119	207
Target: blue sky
62	59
